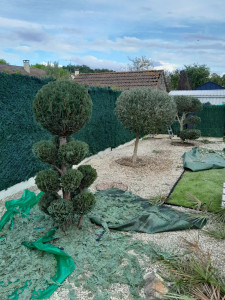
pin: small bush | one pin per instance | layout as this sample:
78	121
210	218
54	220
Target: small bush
47	181
45	201
189	134
61	211
73	152
46	151
84	203
71	180
89	176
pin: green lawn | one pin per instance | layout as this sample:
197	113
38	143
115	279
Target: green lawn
207	186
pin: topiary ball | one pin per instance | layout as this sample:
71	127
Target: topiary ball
71	180
89	176
73	152
45	200
62	107
189	134
83	203
61	211
46	151
47	181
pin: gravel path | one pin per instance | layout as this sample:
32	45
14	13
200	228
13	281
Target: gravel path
164	165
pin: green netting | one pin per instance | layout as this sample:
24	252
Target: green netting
204	159
19	131
102	260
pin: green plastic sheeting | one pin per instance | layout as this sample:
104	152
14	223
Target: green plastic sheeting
65	264
204	159
147	218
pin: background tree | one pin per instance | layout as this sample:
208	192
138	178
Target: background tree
63	108
185	106
53	70
140	63
84	69
145	111
183	82
197	74
3	62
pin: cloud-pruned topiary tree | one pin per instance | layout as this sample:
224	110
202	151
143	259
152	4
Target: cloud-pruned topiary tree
145	111
63	108
185	106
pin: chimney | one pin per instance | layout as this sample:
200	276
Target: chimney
76	72
26	65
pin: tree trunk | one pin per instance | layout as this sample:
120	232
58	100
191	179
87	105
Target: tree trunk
134	157
66	195
79	222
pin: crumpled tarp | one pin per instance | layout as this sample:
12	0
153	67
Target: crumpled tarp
65	264
149	218
204	159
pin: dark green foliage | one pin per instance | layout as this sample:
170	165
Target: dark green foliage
145	110
45	201
61	211
71	180
18	130
46	151
190	134
73	152
193	120
62	107
47	181
89	176
84	202
197	74
187	104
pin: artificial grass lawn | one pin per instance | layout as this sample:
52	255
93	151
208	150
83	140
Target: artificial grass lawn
207	186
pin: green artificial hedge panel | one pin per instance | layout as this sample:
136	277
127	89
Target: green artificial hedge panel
18	129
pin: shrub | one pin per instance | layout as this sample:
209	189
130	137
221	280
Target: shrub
185	106
189	134
63	108
145	111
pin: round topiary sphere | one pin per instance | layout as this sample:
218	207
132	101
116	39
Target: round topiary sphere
189	134
145	110
62	107
89	176
84	203
61	211
73	152
71	180
47	181
45	201
46	151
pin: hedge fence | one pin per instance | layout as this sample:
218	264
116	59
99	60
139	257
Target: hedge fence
19	131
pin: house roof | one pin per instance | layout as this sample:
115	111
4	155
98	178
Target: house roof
122	80
14	69
216	97
210	86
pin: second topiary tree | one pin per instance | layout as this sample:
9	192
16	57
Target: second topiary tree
186	106
63	108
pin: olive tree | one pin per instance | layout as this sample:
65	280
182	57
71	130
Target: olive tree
63	108
186	106
145	111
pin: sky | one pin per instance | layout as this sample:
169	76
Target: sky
105	34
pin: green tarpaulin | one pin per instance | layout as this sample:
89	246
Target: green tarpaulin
204	159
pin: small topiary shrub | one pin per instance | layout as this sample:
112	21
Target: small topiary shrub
89	176
189	134
185	106
63	108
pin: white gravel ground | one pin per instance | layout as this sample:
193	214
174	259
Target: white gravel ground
157	177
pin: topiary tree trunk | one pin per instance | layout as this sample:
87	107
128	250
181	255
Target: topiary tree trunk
63	108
